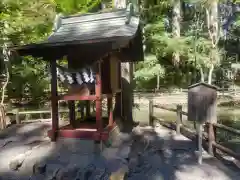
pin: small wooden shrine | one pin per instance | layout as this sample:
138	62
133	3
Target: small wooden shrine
102	41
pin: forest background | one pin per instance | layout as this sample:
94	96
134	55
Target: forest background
185	41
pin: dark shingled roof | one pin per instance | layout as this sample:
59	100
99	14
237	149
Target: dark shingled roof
99	26
110	29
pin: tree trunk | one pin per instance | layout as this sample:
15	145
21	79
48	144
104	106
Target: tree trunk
158	82
213	32
214	29
2	117
202	74
3	123
176	27
210	74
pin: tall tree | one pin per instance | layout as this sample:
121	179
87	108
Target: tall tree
176	19
213	32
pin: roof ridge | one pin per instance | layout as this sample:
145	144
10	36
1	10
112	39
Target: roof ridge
93	20
94	13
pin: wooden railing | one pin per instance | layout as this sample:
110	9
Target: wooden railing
27	114
209	135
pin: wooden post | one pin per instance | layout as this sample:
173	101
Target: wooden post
41	116
211	139
93	106
17	117
200	148
27	116
82	111
88	110
54	100
110	111
126	68
72	115
179	118
151	112
120	94
98	90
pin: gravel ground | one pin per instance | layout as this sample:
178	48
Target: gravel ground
145	154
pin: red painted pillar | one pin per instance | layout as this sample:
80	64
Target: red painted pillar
98	91
54	100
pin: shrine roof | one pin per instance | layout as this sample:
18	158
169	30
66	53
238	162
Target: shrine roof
113	29
99	26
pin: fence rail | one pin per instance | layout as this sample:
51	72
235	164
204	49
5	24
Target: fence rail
34	112
166	90
17	114
210	136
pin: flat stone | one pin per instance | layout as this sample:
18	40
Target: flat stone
77	146
70	172
116	164
16	163
94	171
112	153
39	168
80	160
124	152
5	142
52	170
37	177
120	173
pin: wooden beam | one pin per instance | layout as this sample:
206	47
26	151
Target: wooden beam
82	133
54	100
98	91
84	98
227	150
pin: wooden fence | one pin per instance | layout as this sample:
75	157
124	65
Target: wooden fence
209	133
27	114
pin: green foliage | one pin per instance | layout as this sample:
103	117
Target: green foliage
194	46
69	7
24	21
149	69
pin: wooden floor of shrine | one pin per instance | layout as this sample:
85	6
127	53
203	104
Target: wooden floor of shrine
86	129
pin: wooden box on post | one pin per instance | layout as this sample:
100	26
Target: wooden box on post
202	103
